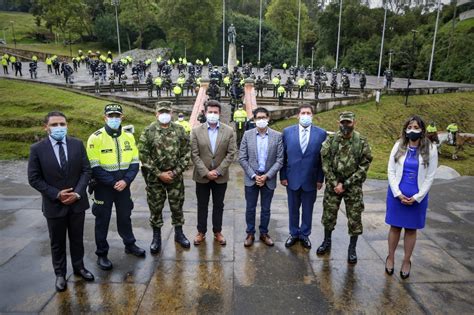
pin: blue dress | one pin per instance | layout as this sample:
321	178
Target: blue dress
398	214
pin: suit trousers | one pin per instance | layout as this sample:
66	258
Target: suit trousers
203	192
251	197
71	225
104	198
305	200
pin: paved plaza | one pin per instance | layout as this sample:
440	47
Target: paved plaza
211	279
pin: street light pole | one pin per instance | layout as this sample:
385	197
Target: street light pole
390	53
259	35
116	3
13	31
298	34
70	48
383	37
338	34
312	56
223	32
410	74
242	47
434	41
4	36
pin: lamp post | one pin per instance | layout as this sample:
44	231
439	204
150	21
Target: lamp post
312	56
242	50
13	32
116	3
298	33
412	70
338	34
390	53
434	41
223	32
4	36
383	37
259	36
70	48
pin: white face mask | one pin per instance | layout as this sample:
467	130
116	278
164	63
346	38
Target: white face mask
261	123
212	118
164	118
180	118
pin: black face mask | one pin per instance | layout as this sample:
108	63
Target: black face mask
413	136
346	129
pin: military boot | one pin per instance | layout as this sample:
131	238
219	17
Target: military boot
326	244
352	255
180	238
155	246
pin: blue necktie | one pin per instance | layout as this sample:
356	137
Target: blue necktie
304	140
62	157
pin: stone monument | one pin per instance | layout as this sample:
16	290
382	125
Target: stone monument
232	58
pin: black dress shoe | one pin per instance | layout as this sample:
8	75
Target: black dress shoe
352	255
404	275
291	241
387	270
104	263
324	248
305	242
181	239
61	284
135	250
85	274
155	246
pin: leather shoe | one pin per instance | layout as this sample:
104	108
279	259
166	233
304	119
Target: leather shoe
200	237
104	263
135	250
324	248
266	239
305	242
61	284
181	239
155	246
249	240
220	238
291	241
85	274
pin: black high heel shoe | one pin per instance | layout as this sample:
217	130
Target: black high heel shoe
404	275
388	271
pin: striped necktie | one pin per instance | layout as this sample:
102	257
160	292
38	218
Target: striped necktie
304	140
62	157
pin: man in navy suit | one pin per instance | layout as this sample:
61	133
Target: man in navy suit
59	169
302	173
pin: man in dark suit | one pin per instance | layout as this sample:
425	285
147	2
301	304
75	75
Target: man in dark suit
59	169
261	157
213	148
302	173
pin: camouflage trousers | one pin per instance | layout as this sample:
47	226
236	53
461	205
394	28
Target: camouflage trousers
354	201
156	196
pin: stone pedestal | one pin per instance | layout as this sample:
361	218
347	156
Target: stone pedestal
232	58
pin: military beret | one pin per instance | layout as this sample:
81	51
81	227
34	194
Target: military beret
350	116
163	105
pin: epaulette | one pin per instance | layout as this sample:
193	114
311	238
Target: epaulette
98	132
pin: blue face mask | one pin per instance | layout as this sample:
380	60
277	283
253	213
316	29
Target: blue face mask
114	123
58	133
306	120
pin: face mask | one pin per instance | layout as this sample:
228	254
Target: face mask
164	118
58	133
180	118
212	118
346	129
413	135
262	123
306	120
114	122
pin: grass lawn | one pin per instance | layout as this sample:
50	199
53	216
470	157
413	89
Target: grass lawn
24	105
383	126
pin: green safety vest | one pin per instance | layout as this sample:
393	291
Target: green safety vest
226	80
177	90
4	62
281	90
431	129
301	82
181	81
275	81
452	128
240	117
158	81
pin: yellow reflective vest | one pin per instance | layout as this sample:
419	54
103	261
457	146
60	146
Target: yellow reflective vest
240	117
185	124
275	81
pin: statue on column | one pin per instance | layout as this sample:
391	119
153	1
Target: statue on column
231	34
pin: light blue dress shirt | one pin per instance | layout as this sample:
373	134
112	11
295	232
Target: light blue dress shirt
213	136
262	150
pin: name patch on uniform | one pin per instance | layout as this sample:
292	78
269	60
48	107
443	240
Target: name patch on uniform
106	151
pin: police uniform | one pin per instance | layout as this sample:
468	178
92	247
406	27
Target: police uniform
453	130
113	156
432	133
240	117
162	150
344	161
184	123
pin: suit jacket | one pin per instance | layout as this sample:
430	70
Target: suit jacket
45	175
248	156
302	170
203	158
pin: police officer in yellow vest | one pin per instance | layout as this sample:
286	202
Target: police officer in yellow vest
301	85
113	156
226	85
184	123
281	94
177	92
240	118
432	132
5	65
453	130
158	83
276	84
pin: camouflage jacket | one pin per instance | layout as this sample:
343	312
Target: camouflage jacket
163	149
346	161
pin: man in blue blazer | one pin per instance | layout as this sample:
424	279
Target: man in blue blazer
59	169
302	173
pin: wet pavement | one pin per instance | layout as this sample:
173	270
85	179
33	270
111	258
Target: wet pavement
212	279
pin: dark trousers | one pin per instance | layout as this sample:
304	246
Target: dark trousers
251	197
104	198
203	192
5	69
305	200
73	225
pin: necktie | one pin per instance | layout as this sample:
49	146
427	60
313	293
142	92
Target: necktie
304	140
62	156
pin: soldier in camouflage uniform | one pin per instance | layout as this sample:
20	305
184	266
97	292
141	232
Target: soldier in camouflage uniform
346	157
165	153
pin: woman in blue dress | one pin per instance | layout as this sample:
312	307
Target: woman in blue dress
411	169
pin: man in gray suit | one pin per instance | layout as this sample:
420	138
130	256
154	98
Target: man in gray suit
261	157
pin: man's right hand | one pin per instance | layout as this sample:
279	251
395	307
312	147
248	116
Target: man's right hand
284	182
212	175
166	177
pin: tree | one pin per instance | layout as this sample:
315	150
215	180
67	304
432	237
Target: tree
139	16
282	15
